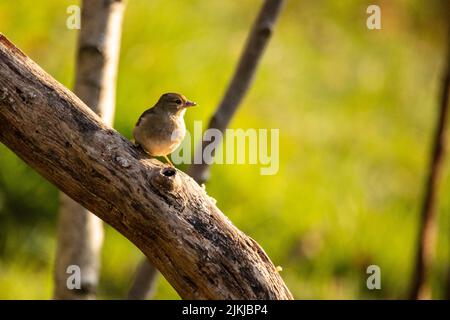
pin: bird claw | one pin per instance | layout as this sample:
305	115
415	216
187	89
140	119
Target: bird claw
169	162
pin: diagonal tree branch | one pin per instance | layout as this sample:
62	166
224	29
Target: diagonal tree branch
258	38
80	233
164	212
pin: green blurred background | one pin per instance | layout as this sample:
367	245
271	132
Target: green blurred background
355	108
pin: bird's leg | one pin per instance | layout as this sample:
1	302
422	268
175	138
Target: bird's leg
135	144
170	162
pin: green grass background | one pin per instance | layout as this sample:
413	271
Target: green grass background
355	109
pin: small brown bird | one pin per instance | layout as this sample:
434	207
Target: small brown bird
161	129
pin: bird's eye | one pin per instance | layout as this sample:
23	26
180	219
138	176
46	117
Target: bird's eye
178	101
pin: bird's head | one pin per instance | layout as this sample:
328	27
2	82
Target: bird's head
174	102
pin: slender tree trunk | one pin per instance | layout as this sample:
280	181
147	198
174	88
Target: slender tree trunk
144	282
80	233
163	211
239	85
425	243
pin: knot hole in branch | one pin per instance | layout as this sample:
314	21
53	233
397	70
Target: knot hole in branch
168	172
167	179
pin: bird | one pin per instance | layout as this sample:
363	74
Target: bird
161	129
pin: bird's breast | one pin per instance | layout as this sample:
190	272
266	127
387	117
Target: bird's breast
160	138
179	131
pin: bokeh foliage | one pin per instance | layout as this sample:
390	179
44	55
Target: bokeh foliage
355	108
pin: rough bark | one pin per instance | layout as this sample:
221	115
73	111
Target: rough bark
419	288
163	211
239	85
242	79
80	233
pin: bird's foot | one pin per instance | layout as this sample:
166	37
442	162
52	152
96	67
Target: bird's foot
169	162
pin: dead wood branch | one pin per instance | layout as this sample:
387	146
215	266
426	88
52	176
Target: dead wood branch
163	211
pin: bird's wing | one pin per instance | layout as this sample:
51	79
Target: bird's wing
146	112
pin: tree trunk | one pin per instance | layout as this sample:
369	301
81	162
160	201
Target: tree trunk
163	211
80	233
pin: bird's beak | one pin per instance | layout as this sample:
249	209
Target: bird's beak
190	103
